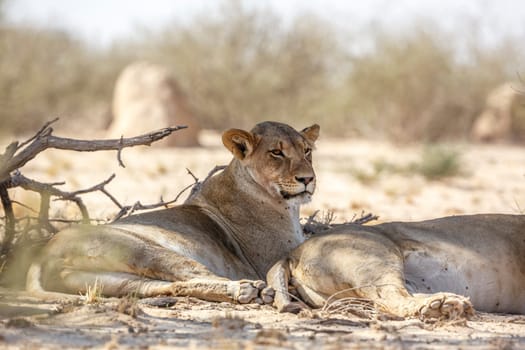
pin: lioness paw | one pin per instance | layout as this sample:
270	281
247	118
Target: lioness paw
267	295
254	291
247	292
446	306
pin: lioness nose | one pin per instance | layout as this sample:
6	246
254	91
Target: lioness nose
305	180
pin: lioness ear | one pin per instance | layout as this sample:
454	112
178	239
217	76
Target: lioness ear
311	133
239	142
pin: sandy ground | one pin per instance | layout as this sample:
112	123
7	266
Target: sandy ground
492	180
194	324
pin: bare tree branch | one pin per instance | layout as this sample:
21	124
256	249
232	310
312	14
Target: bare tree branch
47	190
44	139
10	222
364	218
198	184
130	209
39	132
315	226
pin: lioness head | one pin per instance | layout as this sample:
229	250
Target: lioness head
277	157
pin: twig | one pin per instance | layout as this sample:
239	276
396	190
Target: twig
198	184
130	209
181	192
334	296
212	172
39	132
119	152
364	218
24	206
311	218
111	197
195	178
363	307
195	187
47	190
315	226
97	187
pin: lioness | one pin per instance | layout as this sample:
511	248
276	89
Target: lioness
216	246
481	257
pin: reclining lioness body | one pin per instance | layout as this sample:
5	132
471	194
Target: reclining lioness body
413	269
217	246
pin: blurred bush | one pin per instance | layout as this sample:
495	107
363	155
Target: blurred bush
47	73
438	161
239	66
418	85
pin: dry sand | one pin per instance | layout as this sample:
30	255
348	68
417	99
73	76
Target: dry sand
492	180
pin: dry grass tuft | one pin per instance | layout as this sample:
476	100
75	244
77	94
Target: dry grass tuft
93	293
129	305
361	307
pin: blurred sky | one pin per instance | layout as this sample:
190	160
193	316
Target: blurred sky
101	21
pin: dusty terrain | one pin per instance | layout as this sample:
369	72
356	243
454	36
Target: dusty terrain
350	180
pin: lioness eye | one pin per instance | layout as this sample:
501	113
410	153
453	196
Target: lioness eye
307	151
277	152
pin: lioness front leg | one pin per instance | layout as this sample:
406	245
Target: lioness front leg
209	288
278	279
167	274
219	289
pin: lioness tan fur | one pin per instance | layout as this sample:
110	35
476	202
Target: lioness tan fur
430	269
217	246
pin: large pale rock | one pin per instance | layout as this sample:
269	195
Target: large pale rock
503	117
147	98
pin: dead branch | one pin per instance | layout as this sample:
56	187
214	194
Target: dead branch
364	218
16	155
48	190
313	225
195	187
198	184
9	221
130	209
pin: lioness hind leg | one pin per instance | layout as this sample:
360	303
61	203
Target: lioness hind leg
389	292
397	300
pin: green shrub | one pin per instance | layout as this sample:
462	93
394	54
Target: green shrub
438	162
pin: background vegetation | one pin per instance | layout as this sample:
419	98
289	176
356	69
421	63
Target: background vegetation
242	66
